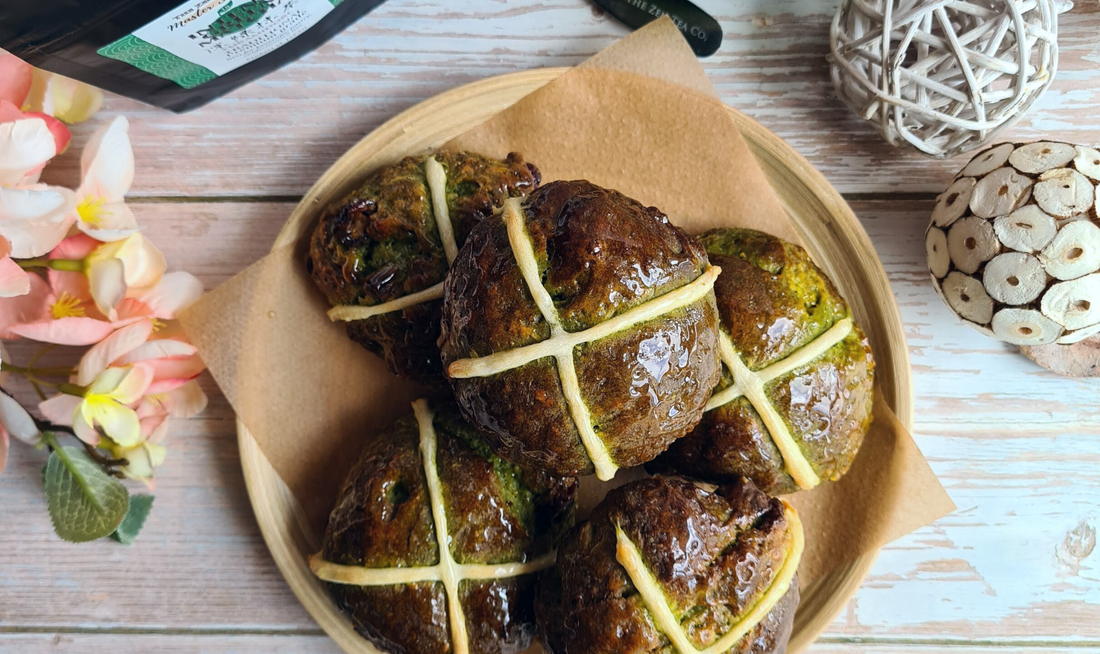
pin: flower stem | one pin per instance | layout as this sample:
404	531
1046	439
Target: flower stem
32	375
69	265
72	389
104	461
41	353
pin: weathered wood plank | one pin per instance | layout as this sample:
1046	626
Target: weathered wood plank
74	643
1015	446
276	136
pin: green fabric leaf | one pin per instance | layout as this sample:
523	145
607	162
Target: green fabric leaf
131	525
85	502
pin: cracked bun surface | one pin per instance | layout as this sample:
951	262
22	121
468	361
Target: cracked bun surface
384	522
594	258
806	373
383	243
716	560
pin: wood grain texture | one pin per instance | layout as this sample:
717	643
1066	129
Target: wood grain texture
291	125
1017	447
121	643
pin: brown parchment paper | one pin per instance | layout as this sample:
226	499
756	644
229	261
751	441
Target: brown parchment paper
640	117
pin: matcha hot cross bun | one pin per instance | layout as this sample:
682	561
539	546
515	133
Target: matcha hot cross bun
665	567
433	545
795	398
579	330
381	254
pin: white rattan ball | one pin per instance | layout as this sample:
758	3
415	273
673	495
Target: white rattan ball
952	74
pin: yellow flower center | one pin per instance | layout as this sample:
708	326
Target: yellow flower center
158	325
91	211
66	306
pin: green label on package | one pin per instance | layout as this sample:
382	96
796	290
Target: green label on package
202	39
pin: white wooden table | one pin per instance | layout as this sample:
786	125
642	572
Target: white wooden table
1018	448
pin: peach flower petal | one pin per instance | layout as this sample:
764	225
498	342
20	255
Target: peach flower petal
110	349
134	385
74	331
35	219
15	79
14	281
59	409
25	146
188	368
187	401
107	284
107	163
175	292
165	348
61	134
29	308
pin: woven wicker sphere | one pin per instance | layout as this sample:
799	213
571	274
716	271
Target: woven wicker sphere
956	72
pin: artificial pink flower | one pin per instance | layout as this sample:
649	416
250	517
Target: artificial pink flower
15	79
167	351
15	421
26	144
64	312
60	96
130	266
174	360
35	219
14	281
66	321
106	404
121	342
107	172
32	307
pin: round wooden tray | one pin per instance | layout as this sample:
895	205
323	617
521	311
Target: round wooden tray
827	226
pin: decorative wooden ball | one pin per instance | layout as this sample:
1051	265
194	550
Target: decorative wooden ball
1014	244
951	74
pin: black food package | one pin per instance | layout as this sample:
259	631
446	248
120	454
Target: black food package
172	54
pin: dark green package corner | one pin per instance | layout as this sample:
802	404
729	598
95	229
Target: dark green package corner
170	54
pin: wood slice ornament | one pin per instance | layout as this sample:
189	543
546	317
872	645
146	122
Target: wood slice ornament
950	74
1014	249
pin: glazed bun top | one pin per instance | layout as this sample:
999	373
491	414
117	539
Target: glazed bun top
381	254
434	543
579	330
796	395
773	299
665	566
383	241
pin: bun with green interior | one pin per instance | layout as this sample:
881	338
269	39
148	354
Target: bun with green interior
795	397
434	543
579	330
381	254
665	567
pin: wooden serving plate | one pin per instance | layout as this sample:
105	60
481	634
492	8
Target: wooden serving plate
830	231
